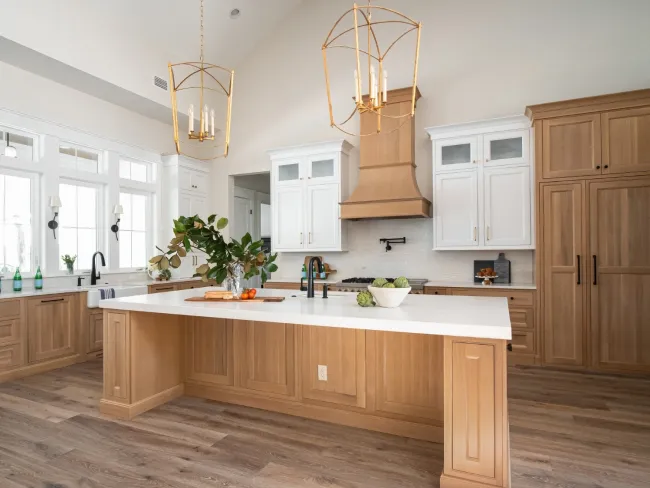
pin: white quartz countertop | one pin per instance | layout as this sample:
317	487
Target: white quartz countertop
480	317
56	290
470	284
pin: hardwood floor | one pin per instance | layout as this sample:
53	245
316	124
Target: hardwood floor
567	430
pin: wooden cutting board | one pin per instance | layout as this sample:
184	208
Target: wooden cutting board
237	300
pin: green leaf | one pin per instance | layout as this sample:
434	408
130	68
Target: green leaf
179	226
246	240
272	268
222	223
211	219
264	276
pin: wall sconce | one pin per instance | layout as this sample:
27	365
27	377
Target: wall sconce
117	210
55	204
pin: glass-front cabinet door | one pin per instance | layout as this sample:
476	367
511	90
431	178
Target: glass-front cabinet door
457	153
322	169
509	147
289	172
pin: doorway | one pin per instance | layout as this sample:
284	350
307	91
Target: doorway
251	213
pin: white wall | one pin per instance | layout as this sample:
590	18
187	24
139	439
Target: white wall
32	95
478	60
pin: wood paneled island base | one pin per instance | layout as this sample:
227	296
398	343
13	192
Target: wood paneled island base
432	387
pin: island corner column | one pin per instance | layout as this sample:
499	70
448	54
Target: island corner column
477	445
143	361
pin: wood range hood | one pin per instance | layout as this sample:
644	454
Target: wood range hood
387	187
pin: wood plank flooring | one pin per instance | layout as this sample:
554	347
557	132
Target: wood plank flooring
568	430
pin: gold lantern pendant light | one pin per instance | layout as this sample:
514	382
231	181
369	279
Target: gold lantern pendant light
373	58
200	78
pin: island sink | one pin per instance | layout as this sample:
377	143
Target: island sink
432	369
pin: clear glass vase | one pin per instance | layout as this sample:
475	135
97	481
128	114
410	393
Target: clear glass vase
70	268
233	281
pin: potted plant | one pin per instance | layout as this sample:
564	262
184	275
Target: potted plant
69	262
226	261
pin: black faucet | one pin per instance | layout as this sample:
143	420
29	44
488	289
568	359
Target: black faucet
94	274
310	275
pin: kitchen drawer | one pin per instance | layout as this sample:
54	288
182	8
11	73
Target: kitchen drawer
523	341
11	356
434	290
516	298
9	309
522	318
286	286
9	331
162	288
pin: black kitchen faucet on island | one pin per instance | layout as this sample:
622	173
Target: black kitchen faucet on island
94	274
310	277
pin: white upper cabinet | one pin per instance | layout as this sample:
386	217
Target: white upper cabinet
456	210
306	191
456	154
483	185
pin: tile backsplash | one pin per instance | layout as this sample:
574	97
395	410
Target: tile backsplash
415	259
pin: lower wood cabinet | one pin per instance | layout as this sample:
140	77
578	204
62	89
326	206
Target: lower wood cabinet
265	353
209	351
341	356
96	331
11	356
406	374
51	327
162	288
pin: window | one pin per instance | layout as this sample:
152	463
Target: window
79	158
78	223
22	142
133	230
16	233
134	170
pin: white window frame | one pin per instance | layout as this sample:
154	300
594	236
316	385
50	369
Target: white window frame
149	223
37	235
151	172
77	147
99	213
36	138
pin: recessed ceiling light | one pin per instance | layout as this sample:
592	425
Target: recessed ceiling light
235	13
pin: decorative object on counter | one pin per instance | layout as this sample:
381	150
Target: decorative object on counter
38	279
392	240
199	76
502	269
304	271
487	275
18	280
55	205
365	299
480	264
389	296
377	77
158	274
118	210
359	284
69	262
233	260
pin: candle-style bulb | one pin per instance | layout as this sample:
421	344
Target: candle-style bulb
212	122
190	114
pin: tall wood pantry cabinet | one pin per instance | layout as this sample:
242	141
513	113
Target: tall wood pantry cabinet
593	204
482	180
308	183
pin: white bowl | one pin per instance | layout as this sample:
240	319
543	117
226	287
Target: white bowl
389	297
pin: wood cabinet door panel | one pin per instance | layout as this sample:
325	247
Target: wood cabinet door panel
433	290
343	352
409	375
11	356
626	140
266	357
9	331
117	354
95	331
564	262
522	318
162	288
9	309
210	350
620	288
571	146
51	327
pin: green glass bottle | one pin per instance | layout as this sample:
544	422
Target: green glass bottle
38	279
18	281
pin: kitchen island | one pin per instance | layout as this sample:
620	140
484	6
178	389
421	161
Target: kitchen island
432	369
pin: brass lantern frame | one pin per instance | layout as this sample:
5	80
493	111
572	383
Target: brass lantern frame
365	104
201	69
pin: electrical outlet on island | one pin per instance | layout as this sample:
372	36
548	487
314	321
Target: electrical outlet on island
322	372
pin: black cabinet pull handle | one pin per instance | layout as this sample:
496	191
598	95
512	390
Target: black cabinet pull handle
53	300
606	166
579	273
509	347
598	167
595	271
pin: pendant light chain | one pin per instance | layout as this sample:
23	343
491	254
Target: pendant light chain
201	31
